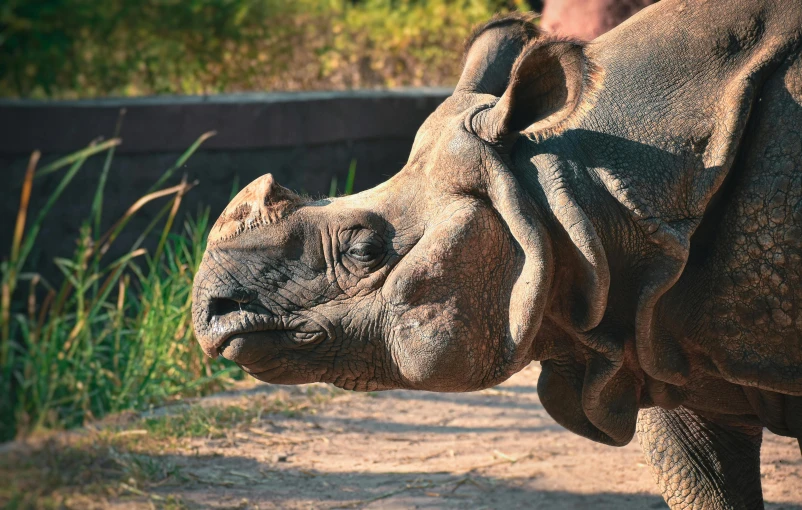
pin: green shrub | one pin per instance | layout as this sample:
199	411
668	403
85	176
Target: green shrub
80	48
116	334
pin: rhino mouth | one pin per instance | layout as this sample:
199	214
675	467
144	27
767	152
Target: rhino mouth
254	347
248	334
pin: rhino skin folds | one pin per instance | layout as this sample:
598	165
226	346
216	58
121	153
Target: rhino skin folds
627	211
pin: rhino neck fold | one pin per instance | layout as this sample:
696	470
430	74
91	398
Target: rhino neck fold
585	353
640	171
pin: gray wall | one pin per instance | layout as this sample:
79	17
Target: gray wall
303	139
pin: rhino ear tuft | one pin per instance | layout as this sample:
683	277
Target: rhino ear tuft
491	51
552	84
261	202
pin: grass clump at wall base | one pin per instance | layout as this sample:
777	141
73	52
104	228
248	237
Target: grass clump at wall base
87	48
114	334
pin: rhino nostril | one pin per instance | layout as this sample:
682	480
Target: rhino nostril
224	306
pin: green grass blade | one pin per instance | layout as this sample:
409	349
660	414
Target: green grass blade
349	183
10	268
77	156
110	236
33	232
168	225
97	202
333	187
234	188
181	160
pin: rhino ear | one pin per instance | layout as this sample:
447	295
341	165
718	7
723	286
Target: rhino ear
491	52
552	83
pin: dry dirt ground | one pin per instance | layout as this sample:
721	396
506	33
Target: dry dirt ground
495	449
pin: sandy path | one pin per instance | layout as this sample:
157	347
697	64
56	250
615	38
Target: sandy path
492	449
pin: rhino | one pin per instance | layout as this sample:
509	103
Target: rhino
627	212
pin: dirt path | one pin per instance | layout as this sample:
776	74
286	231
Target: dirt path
492	449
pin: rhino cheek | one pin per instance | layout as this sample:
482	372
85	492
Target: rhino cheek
449	299
434	349
412	355
427	339
426	271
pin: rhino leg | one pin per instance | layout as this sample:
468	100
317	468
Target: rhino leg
700	464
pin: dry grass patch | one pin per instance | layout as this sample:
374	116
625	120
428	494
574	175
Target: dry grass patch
130	455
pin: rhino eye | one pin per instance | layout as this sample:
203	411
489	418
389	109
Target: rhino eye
363	252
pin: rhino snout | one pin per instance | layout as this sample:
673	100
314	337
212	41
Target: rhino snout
217	318
234	324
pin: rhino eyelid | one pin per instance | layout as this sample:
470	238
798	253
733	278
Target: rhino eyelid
364	251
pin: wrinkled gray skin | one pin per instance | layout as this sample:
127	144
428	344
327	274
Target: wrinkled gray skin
628	212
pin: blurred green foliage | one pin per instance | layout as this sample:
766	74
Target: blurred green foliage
112	334
85	48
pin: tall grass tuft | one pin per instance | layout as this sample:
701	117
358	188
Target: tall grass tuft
115	334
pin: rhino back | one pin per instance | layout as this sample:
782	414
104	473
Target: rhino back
745	271
695	139
697	136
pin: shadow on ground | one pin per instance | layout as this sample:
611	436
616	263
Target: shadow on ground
210	481
214	482
318	447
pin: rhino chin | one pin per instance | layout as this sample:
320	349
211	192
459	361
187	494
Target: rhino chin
278	375
248	349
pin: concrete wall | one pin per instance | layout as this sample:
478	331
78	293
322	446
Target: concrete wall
304	139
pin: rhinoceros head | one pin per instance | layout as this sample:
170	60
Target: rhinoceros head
437	279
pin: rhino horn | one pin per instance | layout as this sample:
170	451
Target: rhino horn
260	203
